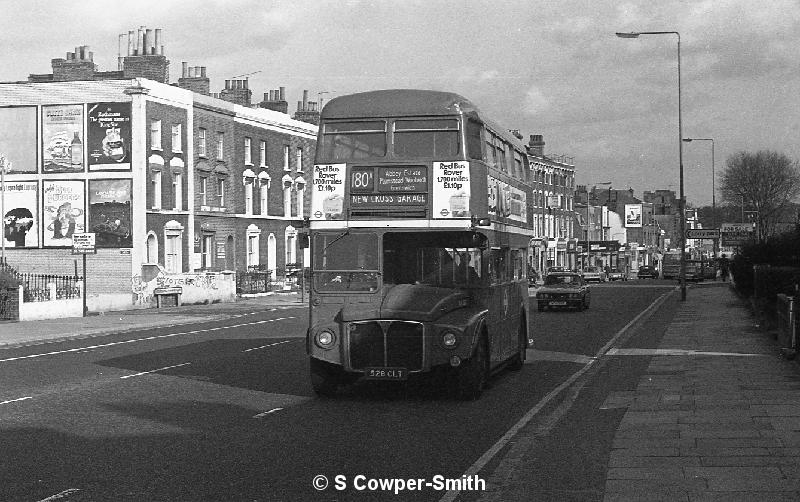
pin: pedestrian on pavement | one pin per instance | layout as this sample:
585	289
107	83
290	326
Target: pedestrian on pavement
723	267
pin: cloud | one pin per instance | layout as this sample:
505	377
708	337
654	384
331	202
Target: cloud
535	101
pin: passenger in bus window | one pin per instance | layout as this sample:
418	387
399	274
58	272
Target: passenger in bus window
466	271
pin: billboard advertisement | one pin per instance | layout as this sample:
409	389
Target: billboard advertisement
508	201
62	139
327	192
63	211
633	215
109	136
20	222
109	213
18	138
451	190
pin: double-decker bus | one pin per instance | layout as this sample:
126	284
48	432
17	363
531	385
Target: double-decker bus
419	228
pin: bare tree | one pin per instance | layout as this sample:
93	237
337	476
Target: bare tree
765	181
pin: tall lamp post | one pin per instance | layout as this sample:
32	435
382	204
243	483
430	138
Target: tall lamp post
713	187
682	202
588	221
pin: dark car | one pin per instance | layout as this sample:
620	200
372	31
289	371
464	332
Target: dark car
647	272
563	290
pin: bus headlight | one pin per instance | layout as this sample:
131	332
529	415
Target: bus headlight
449	339
325	339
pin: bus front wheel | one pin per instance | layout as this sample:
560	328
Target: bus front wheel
518	360
325	377
472	375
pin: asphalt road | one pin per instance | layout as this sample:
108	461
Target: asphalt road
224	411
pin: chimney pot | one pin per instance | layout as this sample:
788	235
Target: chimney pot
283	94
203	71
184	71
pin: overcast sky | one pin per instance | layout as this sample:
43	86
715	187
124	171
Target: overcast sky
544	67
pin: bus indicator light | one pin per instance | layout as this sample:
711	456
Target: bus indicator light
455	361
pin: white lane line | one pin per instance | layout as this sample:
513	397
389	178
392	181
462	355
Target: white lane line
153	371
549	355
145	339
479	464
16	400
270	345
676	352
262	415
60	495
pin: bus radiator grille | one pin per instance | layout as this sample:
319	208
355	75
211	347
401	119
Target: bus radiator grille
386	343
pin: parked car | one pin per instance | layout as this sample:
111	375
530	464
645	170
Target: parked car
594	274
647	272
563	290
616	275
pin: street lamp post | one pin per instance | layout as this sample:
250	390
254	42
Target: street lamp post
588	222
681	202
713	187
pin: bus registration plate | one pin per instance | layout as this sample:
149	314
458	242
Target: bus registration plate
386	373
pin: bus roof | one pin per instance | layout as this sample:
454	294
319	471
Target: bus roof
396	102
409	103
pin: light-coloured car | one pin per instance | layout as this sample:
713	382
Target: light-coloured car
616	275
594	274
563	290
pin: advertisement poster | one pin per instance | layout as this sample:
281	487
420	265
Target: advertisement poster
64	210
451	190
20	228
327	192
62	139
510	202
18	138
110	213
633	215
109	131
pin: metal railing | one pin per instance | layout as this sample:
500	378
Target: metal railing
255	280
46	287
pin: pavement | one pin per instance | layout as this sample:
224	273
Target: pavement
23	333
715	416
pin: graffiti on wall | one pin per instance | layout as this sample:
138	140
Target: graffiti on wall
196	286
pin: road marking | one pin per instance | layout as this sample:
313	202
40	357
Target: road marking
145	339
60	495
153	371
548	355
501	443
262	415
676	352
16	400
270	345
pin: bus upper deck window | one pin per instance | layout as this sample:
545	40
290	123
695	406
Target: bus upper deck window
426	138
343	141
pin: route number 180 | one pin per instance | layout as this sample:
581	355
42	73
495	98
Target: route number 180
361	180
